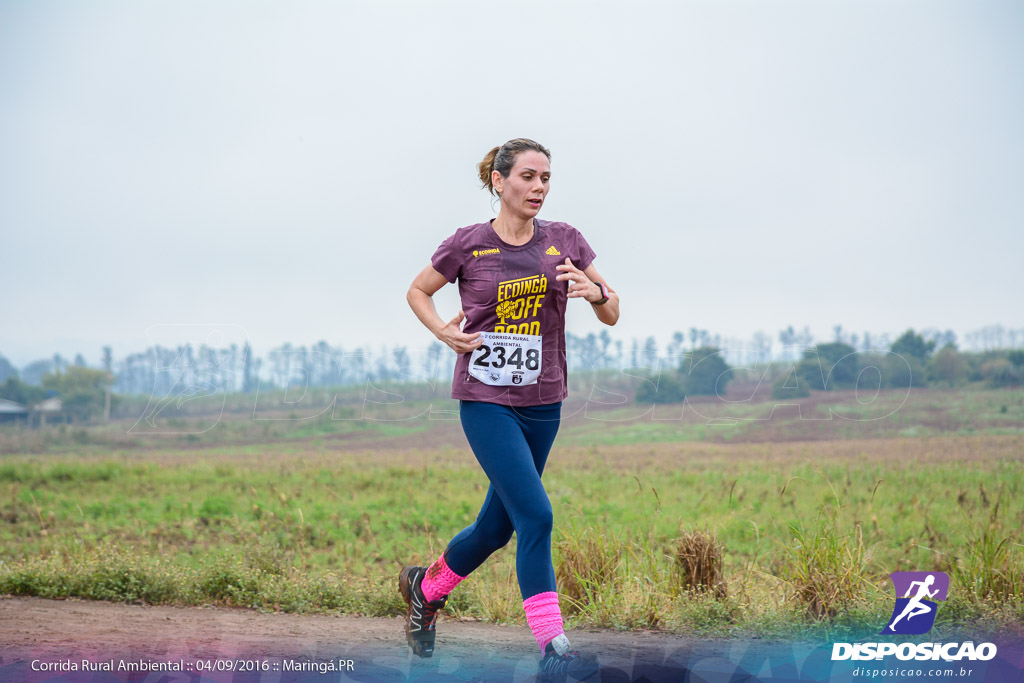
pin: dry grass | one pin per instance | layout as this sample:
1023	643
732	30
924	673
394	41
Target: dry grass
991	564
350	513
698	556
589	560
827	562
493	592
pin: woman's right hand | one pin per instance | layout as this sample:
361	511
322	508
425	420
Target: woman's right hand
452	335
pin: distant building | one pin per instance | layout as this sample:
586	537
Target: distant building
51	409
46	411
11	411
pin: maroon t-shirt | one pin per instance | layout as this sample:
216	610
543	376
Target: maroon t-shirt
518	282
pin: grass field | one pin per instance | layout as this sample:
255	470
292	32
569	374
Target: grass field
809	515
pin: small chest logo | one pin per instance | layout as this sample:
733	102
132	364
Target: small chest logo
485	252
553	252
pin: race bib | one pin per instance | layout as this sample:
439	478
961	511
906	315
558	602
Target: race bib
506	359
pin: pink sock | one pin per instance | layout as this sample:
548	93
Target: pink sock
544	617
439	581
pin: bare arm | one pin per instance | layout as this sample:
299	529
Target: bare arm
582	285
421	299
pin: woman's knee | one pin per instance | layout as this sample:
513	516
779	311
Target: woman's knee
498	541
538	521
489	535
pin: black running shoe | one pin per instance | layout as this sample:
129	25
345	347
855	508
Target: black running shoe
569	665
421	615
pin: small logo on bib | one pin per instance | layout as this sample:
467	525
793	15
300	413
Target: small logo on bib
506	359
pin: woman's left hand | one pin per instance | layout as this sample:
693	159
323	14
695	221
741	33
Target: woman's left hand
579	284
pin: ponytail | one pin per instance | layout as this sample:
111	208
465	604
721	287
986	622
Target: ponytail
486	169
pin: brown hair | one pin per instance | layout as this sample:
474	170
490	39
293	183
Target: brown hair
503	158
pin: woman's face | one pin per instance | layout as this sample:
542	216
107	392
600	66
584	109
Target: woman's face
527	185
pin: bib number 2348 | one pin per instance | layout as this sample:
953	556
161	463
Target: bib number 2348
504	360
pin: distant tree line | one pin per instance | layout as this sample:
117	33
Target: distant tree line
702	371
911	361
693	362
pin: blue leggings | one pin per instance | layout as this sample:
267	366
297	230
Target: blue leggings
512	446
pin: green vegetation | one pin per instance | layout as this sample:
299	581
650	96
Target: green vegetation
82	390
805	534
710	516
702	372
909	364
790	386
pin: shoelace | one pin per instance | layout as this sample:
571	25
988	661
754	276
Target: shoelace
430	610
430	614
557	662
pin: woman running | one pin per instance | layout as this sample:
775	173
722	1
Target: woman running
516	274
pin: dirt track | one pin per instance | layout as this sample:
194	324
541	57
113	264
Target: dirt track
37	633
71	630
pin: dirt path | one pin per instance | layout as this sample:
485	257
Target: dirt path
38	636
55	631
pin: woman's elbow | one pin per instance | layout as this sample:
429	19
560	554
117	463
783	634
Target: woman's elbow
615	312
611	318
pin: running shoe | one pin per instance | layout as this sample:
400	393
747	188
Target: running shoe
562	664
421	615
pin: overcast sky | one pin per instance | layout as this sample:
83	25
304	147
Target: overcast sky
281	171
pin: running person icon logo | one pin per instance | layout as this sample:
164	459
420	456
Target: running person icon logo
914	612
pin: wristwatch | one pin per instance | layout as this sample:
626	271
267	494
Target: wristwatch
604	294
